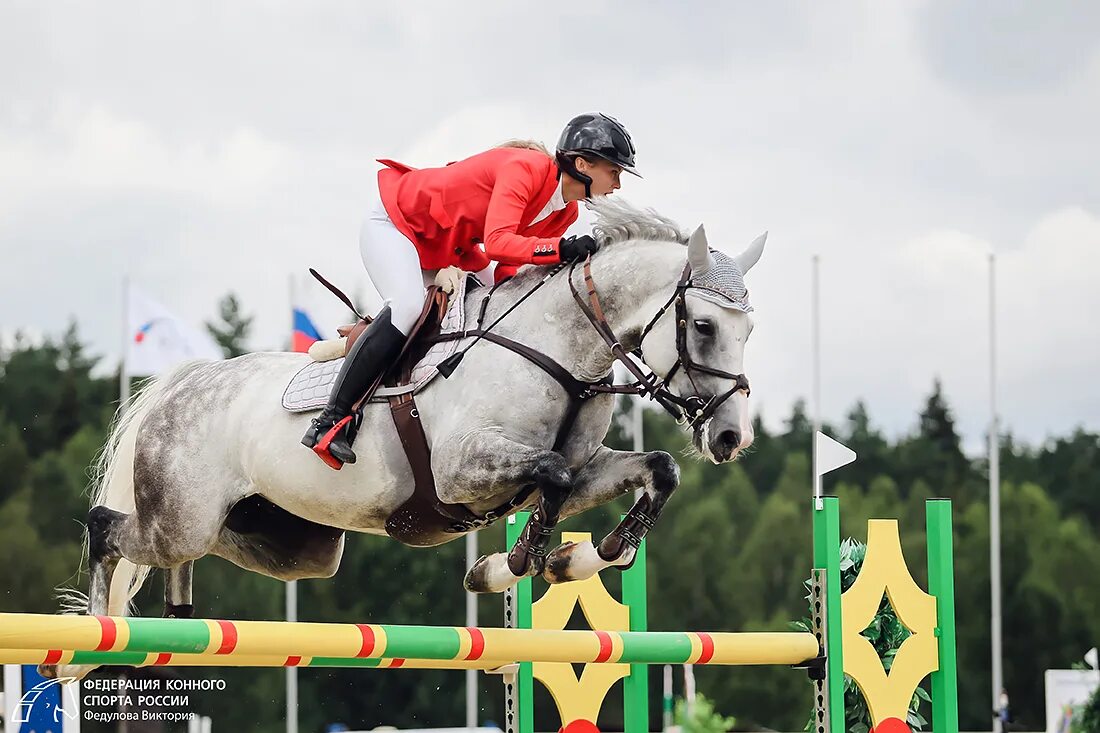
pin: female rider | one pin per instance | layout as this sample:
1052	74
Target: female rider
509	205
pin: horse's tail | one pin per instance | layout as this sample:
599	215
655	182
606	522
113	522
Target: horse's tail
112	485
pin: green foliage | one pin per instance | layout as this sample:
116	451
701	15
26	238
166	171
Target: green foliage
886	634
729	552
232	329
702	718
1087	720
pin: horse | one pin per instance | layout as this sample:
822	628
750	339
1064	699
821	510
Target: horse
204	460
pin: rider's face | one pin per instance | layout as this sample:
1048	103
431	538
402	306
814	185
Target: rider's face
605	175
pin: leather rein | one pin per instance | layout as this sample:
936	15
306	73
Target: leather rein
693	411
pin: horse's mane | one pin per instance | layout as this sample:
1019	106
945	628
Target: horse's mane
620	221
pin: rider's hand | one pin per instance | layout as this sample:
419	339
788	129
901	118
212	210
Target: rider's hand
572	249
449	279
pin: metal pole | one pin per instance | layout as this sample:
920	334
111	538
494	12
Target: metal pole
638	433
666	699
689	689
471	621
291	586
292	672
815	337
123	376
994	502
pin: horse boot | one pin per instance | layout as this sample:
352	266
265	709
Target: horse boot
329	433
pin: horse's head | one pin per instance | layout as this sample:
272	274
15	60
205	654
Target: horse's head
698	345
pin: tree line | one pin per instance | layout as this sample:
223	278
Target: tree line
730	553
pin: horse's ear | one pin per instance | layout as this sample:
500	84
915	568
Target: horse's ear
699	256
751	255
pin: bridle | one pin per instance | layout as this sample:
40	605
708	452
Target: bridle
694	410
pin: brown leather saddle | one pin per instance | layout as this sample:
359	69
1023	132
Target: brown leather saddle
422	520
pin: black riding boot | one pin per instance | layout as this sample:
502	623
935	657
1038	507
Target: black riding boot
372	353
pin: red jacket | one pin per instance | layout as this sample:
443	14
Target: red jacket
488	198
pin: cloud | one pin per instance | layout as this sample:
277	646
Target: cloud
896	319
997	48
92	149
204	149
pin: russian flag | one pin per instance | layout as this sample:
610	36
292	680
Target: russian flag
305	333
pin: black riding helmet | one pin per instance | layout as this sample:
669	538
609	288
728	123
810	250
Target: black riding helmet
594	135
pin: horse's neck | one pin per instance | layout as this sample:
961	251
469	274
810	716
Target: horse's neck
633	280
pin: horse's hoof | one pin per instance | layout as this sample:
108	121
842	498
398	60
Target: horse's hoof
572	561
490	574
64	672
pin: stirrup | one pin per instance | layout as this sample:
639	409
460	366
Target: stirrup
322	446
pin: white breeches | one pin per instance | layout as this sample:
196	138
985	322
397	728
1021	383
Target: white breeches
394	267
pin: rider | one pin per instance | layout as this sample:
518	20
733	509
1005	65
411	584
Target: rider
510	205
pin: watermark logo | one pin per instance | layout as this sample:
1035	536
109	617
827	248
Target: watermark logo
42	703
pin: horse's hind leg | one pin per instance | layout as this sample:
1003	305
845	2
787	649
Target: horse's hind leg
103	559
109	574
608	475
177	591
156	534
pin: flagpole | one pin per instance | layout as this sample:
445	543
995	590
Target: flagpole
291	586
292	295
292	672
471	622
994	504
123	375
638	431
815	328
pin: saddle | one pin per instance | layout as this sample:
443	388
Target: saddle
422	520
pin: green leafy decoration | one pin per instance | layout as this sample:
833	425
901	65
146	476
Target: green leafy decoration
886	634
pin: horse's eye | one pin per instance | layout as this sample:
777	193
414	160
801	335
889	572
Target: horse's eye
704	328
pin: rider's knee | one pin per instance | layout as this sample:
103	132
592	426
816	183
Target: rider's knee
404	312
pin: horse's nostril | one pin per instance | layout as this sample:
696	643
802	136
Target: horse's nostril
730	438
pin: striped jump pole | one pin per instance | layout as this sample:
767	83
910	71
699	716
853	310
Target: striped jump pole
153	659
380	641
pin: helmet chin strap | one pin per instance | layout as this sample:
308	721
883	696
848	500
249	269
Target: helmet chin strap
586	180
569	167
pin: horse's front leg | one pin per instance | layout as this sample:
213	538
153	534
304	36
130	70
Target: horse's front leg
607	476
498	461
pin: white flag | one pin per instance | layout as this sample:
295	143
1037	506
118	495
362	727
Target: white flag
831	455
158	340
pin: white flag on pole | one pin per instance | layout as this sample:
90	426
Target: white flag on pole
831	455
157	340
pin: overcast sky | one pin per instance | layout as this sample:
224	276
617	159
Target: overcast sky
204	147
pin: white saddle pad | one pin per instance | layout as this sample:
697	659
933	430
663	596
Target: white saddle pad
310	387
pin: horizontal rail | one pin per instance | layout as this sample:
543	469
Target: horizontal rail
488	646
153	659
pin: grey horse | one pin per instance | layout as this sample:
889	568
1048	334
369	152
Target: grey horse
212	436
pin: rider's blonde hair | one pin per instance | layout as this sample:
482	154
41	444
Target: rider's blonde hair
524	144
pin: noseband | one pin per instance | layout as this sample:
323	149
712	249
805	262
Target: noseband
694	410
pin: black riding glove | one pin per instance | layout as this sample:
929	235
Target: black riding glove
573	249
